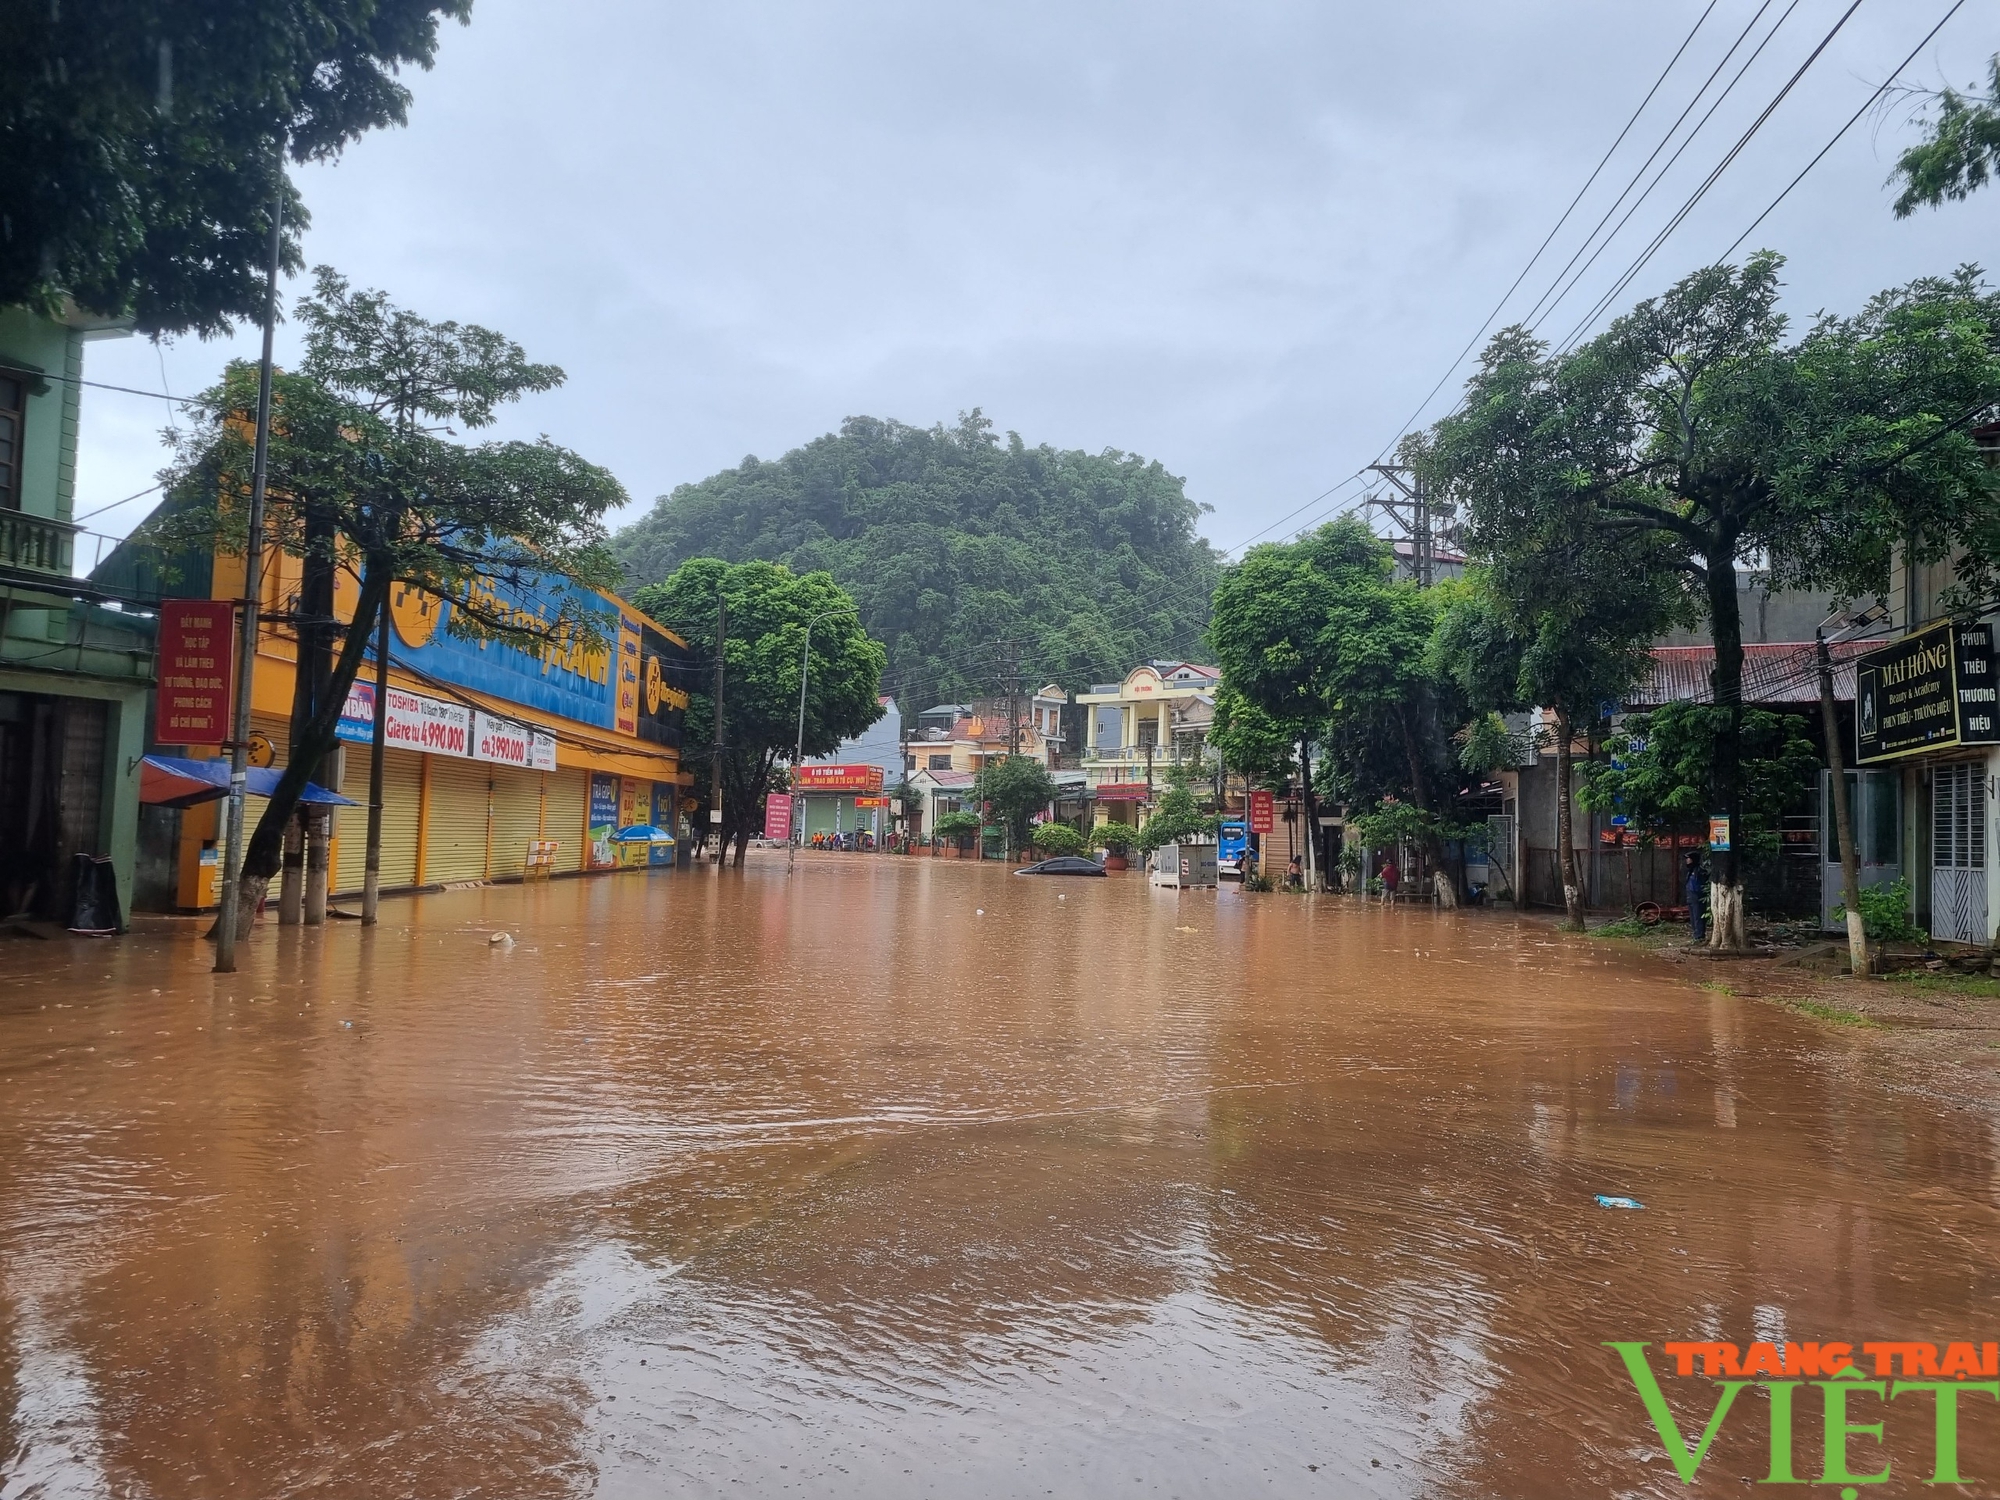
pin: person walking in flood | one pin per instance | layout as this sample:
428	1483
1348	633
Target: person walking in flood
1391	876
1694	896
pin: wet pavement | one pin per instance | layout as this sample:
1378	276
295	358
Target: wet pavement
904	1177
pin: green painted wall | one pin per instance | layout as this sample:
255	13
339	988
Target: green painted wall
48	443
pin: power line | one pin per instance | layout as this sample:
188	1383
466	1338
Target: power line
1708	182
1660	176
1867	105
1595	172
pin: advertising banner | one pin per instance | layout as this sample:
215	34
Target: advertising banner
1124	791
507	743
196	655
663	806
839	779
634	801
778	816
1262	816
599	850
1906	696
628	676
430	726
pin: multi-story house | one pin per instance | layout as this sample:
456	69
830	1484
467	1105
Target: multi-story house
1158	715
74	673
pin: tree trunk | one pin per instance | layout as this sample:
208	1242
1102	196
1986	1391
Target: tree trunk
1565	831
1312	821
1729	933
262	856
1431	845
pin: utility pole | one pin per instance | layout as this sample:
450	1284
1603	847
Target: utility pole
253	586
1419	516
1843	817
715	744
371	877
1010	681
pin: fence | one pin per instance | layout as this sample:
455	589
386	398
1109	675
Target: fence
1619	879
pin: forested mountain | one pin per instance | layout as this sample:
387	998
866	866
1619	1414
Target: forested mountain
956	543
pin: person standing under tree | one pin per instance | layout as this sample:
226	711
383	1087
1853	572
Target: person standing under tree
1694	896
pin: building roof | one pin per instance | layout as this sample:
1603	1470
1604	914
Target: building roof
1782	672
949	781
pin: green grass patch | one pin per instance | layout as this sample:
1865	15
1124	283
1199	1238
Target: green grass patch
1948	984
1819	1010
1718	987
1625	927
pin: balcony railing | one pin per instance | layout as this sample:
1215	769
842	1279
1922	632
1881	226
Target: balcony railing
36	543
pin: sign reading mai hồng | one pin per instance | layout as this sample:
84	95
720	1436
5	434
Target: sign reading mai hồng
1931	690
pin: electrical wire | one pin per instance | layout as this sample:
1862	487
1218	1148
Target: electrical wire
1713	177
1549	239
1852	120
1661	175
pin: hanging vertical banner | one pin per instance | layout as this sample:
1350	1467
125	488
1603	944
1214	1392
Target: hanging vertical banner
628	676
778	816
601	853
196	653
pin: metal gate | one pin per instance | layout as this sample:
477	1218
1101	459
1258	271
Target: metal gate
1958	853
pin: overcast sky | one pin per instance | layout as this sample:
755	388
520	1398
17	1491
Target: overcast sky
1242	239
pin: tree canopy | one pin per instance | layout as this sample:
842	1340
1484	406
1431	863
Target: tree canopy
358	484
1015	788
953	541
1960	149
769	607
140	143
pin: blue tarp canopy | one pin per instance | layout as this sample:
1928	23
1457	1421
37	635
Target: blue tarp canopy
175	781
643	833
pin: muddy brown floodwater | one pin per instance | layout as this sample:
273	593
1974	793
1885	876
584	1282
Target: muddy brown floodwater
901	1178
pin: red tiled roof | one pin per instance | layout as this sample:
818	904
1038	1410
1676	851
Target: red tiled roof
1784	672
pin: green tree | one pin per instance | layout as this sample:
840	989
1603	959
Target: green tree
1560	613
357	482
1959	152
140	143
1318	632
1051	839
1252	743
1727	443
1015	788
769	608
1663	763
1176	819
952	541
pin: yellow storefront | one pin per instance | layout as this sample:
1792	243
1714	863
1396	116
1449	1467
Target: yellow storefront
492	749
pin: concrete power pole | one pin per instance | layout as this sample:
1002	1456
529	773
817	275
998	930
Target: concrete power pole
715	741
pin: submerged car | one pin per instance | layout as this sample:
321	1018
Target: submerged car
1063	864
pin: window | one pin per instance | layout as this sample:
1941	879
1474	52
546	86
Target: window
940	762
13	409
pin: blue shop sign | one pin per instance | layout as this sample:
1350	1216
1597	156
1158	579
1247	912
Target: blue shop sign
569	675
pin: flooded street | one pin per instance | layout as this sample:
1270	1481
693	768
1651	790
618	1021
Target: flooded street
903	1177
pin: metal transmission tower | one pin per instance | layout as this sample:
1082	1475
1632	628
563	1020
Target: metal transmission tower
1426	520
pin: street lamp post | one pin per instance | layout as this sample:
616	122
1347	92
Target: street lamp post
799	748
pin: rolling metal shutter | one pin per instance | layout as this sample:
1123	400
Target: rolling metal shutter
402	782
455	830
517	818
569	795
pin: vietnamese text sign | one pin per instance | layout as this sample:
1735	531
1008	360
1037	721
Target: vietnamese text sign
1718	834
1906	696
507	743
1262	818
778	816
414	722
192	706
1978	712
860	778
603	820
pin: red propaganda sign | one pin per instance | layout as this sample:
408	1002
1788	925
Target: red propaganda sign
196	640
778	816
1124	791
838	778
1260	812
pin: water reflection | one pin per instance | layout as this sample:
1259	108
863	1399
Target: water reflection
839	1185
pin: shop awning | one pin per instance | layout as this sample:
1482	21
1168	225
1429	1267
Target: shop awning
175	781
